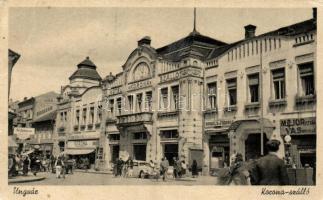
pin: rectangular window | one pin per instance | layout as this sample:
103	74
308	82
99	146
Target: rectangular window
77	117
232	91
119	106
211	87
84	116
169	134
139	102
114	137
92	115
279	83
253	81
175	97
164	98
307	79
130	103
140	136
65	116
148	100
99	113
62	116
111	105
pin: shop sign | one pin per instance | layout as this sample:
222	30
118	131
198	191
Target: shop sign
43	111
83	136
298	126
220	123
114	91
139	85
23	133
179	74
170	76
82	144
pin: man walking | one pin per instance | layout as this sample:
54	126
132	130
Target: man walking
270	169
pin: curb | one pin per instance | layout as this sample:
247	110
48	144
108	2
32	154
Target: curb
93	172
25	180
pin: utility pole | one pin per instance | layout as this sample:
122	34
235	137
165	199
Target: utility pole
261	104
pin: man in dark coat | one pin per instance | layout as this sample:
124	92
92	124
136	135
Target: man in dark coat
270	169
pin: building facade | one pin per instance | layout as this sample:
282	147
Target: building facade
78	118
202	99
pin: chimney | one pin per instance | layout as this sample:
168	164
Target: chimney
145	40
250	31
314	13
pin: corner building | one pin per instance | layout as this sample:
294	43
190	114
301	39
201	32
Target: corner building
202	99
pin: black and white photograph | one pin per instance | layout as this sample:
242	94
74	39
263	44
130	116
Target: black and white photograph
183	96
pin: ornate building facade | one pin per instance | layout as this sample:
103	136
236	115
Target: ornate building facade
202	99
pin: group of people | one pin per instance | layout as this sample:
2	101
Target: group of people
21	164
123	168
179	168
267	170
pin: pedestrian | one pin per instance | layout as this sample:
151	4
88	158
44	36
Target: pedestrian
58	167
25	165
164	168
11	166
179	168
194	169
115	167
119	167
183	167
175	167
270	169
130	167
239	172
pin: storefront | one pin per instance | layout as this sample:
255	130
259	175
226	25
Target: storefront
84	148
169	144
302	144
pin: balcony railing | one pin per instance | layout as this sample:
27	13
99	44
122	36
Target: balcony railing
232	108
301	100
252	106
134	118
277	102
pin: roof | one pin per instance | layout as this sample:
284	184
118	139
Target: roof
87	70
193	44
291	30
47	117
294	29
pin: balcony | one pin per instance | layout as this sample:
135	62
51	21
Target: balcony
168	115
252	106
277	103
232	108
136	118
110	120
302	100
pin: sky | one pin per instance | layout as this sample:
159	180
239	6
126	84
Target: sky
52	41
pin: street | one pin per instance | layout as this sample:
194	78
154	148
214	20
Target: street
81	178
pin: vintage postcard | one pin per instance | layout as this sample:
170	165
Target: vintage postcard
167	101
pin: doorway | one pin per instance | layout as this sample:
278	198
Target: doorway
253	146
115	152
170	151
139	151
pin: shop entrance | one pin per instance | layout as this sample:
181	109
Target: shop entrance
139	151
170	151
253	146
115	152
219	157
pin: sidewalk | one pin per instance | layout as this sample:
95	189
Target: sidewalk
25	179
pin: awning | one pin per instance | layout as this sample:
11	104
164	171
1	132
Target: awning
77	151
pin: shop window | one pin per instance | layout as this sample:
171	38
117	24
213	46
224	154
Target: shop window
140	136
139	151
211	87
139	102
232	91
148	100
253	82
278	76
306	79
169	134
175	97
164	98
119	105
130	103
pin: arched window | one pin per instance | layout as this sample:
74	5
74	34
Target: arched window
141	71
